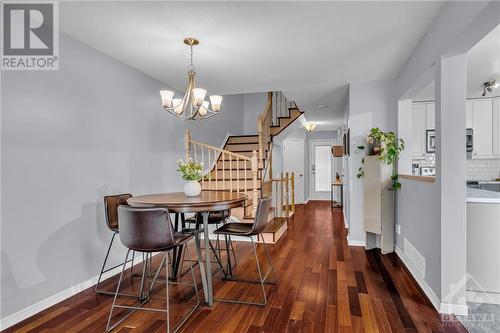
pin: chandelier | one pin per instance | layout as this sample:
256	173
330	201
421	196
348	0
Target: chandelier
193	105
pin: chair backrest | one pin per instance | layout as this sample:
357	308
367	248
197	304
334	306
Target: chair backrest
111	203
145	229
261	216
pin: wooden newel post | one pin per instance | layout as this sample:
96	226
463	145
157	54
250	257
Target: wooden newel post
287	196
255	169
260	129
187	139
282	193
293	192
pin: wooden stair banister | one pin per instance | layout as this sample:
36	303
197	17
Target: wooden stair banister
191	151
244	162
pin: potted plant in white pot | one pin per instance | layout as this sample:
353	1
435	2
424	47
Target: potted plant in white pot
192	173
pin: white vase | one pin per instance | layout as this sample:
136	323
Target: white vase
192	188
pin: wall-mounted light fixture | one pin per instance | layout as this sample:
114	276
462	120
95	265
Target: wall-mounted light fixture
309	126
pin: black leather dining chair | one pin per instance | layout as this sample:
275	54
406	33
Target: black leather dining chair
111	203
149	230
251	230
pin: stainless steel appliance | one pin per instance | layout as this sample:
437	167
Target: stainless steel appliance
469	143
490	186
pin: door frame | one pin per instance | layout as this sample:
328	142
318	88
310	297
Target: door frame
303	181
312	143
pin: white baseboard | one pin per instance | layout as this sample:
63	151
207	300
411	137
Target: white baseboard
421	282
456	309
57	298
352	242
483	297
440	307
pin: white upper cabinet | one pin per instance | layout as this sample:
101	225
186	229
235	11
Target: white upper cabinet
482	120
496	127
418	129
468	114
430	118
482	115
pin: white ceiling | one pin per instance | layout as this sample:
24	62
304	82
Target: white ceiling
308	50
483	64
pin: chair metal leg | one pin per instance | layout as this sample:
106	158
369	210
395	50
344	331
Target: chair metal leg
104	263
232	250
108	327
270	261
261	281
166	260
229	266
132	266
144	268
105	270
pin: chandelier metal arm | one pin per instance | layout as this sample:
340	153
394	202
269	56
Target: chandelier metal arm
192	106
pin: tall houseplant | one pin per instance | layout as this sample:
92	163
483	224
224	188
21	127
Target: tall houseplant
389	149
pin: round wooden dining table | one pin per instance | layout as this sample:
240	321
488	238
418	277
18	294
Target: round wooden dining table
206	202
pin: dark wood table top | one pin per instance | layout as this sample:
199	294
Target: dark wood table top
180	203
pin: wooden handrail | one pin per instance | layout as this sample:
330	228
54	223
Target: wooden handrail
226	152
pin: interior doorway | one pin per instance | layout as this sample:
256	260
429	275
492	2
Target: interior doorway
293	161
321	169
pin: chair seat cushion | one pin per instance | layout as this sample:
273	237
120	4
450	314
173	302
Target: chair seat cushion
235	228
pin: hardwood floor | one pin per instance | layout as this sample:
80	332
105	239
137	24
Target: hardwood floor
324	286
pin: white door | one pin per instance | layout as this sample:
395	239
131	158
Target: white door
482	119
321	170
293	161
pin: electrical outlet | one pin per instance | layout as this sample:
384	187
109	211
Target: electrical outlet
398	229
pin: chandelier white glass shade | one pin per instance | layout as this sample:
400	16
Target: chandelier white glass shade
193	105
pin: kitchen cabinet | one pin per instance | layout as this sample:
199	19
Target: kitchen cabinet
418	129
496	127
468	114
430	118
482	119
482	115
423	119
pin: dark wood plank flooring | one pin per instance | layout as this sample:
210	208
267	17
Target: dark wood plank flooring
324	286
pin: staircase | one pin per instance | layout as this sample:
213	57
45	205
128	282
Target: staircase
244	164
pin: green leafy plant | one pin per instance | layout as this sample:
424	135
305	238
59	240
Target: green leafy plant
190	170
390	149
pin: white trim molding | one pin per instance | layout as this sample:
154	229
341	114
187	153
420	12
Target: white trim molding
431	295
352	242
445	308
59	297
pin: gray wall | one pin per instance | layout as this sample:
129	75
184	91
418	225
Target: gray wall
68	138
371	104
253	105
459	26
418	213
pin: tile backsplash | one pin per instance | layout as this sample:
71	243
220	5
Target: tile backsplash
483	169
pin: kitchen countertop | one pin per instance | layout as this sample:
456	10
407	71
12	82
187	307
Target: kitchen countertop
482	196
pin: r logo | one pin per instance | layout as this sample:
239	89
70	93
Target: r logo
28	29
